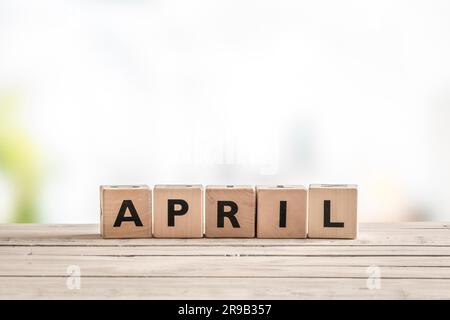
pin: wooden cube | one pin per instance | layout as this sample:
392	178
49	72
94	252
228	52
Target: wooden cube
178	211
125	211
281	212
332	211
230	211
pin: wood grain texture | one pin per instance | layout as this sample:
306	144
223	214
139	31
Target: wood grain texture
269	210
188	225
244	197
339	221
112	201
413	261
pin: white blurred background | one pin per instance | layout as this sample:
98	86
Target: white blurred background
224	92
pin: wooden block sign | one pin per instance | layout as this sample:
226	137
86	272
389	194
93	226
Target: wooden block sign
230	211
125	211
178	211
281	211
188	211
332	211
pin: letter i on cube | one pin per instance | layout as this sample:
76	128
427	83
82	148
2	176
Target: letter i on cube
281	211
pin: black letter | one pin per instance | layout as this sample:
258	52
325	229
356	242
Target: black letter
283	205
221	214
172	212
327	216
134	215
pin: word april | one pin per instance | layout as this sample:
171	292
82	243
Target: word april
192	211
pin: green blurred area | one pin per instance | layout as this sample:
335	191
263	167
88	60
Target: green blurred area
19	161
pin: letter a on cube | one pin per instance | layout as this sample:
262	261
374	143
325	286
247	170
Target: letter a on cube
125	211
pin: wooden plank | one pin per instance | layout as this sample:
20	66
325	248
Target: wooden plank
265	267
359	261
272	250
414	262
88	235
220	288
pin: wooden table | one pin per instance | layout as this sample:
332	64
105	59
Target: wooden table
409	261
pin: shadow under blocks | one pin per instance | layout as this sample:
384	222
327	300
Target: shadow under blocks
230	211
